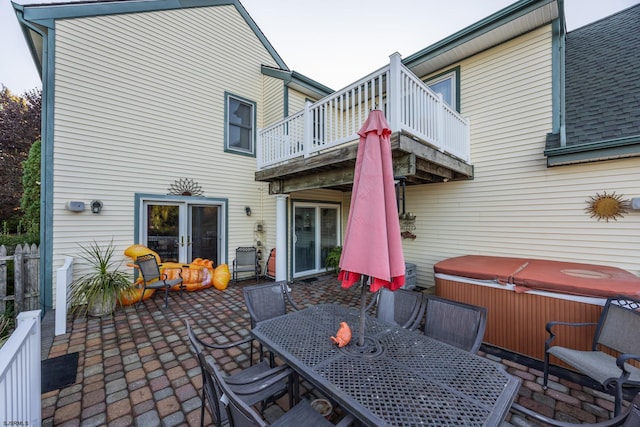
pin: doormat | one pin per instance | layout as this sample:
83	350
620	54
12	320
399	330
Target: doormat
59	372
310	280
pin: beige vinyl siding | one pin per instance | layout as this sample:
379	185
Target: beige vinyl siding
297	101
139	105
516	206
273	100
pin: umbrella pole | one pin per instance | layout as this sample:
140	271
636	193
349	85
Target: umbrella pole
363	306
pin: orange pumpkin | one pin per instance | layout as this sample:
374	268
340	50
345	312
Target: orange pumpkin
221	277
343	336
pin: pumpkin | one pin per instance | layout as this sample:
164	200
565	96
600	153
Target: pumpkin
343	336
221	277
189	273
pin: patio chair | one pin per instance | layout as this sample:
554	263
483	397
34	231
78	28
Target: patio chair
629	418
246	261
617	329
455	323
153	279
266	301
242	414
403	308
256	384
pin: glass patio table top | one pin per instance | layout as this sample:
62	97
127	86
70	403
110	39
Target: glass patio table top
399	378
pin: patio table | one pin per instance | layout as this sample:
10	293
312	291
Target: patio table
399	378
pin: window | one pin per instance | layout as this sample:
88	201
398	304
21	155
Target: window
239	125
447	84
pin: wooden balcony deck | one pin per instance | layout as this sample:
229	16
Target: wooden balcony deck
316	148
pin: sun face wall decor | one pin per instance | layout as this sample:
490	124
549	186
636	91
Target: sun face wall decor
607	206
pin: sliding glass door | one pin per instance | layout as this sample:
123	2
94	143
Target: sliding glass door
315	233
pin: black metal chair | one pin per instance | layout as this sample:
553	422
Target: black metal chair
266	301
246	261
629	418
241	414
618	329
153	279
256	384
403	308
455	323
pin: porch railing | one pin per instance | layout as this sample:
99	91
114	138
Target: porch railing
408	103
20	373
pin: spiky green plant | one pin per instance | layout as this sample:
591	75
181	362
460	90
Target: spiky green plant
332	261
103	284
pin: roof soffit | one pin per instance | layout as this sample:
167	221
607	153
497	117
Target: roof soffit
504	25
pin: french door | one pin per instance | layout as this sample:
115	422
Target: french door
180	231
315	232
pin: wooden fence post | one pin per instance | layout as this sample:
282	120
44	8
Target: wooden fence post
18	279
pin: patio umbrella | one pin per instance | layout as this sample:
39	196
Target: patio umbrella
372	245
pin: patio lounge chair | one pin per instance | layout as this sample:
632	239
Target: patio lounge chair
403	308
459	324
629	418
618	329
242	414
246	261
266	301
255	384
153	279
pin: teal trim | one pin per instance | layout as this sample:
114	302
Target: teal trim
558	77
227	149
293	77
285	97
481	27
598	151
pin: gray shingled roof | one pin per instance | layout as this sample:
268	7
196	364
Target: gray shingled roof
603	79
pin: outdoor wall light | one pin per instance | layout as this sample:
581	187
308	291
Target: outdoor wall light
96	206
247	210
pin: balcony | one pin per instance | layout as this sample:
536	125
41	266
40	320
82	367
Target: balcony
316	147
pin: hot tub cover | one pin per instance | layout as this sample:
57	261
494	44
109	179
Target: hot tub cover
537	274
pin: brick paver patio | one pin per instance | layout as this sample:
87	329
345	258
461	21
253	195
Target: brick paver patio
136	367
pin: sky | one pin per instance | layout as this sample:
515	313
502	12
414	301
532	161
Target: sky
334	42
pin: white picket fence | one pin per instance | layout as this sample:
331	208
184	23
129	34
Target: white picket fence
20	373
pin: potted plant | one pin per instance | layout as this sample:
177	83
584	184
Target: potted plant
96	292
332	260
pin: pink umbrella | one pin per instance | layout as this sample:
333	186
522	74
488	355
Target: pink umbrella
372	243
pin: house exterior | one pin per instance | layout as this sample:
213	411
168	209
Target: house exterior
157	110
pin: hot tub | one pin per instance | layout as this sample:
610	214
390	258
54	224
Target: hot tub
522	295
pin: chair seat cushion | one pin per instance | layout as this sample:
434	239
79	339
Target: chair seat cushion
161	284
596	364
302	415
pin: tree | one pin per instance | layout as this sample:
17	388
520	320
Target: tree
30	202
19	128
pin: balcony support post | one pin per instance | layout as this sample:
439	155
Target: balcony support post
394	92
308	129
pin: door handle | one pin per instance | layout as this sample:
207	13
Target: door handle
188	240
181	240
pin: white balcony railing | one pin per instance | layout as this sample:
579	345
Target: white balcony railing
20	373
408	103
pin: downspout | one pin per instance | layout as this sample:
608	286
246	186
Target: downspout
46	173
559	50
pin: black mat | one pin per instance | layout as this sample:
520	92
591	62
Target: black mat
59	372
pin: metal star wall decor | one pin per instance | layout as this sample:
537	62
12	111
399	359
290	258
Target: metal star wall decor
607	206
185	187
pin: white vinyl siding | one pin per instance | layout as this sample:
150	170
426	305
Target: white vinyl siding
515	205
139	105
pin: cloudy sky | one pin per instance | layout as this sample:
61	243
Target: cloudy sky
334	42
